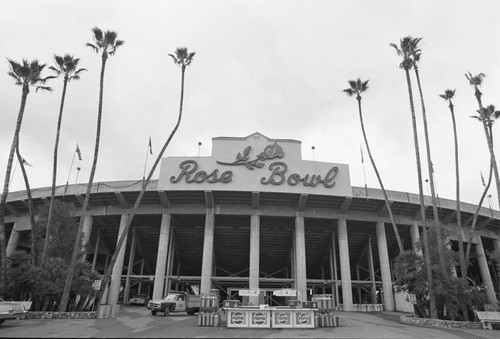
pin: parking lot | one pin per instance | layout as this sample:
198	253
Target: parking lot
137	322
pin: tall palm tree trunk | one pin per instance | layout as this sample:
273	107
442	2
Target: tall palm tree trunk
474	220
54	175
76	248
31	208
427	255
3	200
107	275
489	140
437	223
489	136
463	267
388	205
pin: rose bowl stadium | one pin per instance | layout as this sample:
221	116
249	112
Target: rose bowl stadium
253	217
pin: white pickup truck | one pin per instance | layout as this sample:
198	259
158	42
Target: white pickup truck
12	309
175	302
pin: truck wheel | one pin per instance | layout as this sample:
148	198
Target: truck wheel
191	312
153	312
2	321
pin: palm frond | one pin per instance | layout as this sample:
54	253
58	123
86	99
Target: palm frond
348	91
97	33
88	44
44	88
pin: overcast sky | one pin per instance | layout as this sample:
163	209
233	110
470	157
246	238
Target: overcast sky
276	67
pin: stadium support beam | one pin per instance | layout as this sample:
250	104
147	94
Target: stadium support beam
208	253
300	257
345	205
209	199
415	237
484	223
385	268
165	203
301	206
13	240
114	287
161	258
254	257
130	267
12	209
87	228
449	217
485	272
255	200
121	200
345	267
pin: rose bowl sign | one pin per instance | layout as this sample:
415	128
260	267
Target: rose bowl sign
255	163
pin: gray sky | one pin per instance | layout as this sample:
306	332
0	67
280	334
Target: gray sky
276	67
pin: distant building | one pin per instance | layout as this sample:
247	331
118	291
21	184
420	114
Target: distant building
254	216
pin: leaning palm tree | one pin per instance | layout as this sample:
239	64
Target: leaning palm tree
105	43
31	208
66	65
405	49
476	81
448	96
26	74
487	116
356	88
415	53
183	59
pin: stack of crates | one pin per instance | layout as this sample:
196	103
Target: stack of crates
209	310
326	318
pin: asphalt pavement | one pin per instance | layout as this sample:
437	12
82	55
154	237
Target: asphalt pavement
137	322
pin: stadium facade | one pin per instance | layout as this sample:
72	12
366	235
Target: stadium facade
255	217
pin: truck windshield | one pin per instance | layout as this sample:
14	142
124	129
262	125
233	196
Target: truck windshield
170	297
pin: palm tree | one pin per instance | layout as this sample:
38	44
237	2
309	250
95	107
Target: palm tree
405	49
356	88
182	58
26	74
106	43
448	96
31	208
66	65
476	81
487	117
416	52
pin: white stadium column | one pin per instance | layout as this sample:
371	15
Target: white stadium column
485	272
87	231
385	268
13	240
345	267
415	237
496	244
161	258
208	253
254	257
300	258
116	276
87	227
130	267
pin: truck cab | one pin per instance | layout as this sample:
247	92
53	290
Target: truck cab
175	301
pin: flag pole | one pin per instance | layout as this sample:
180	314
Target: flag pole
69	173
364	171
13	172
149	149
